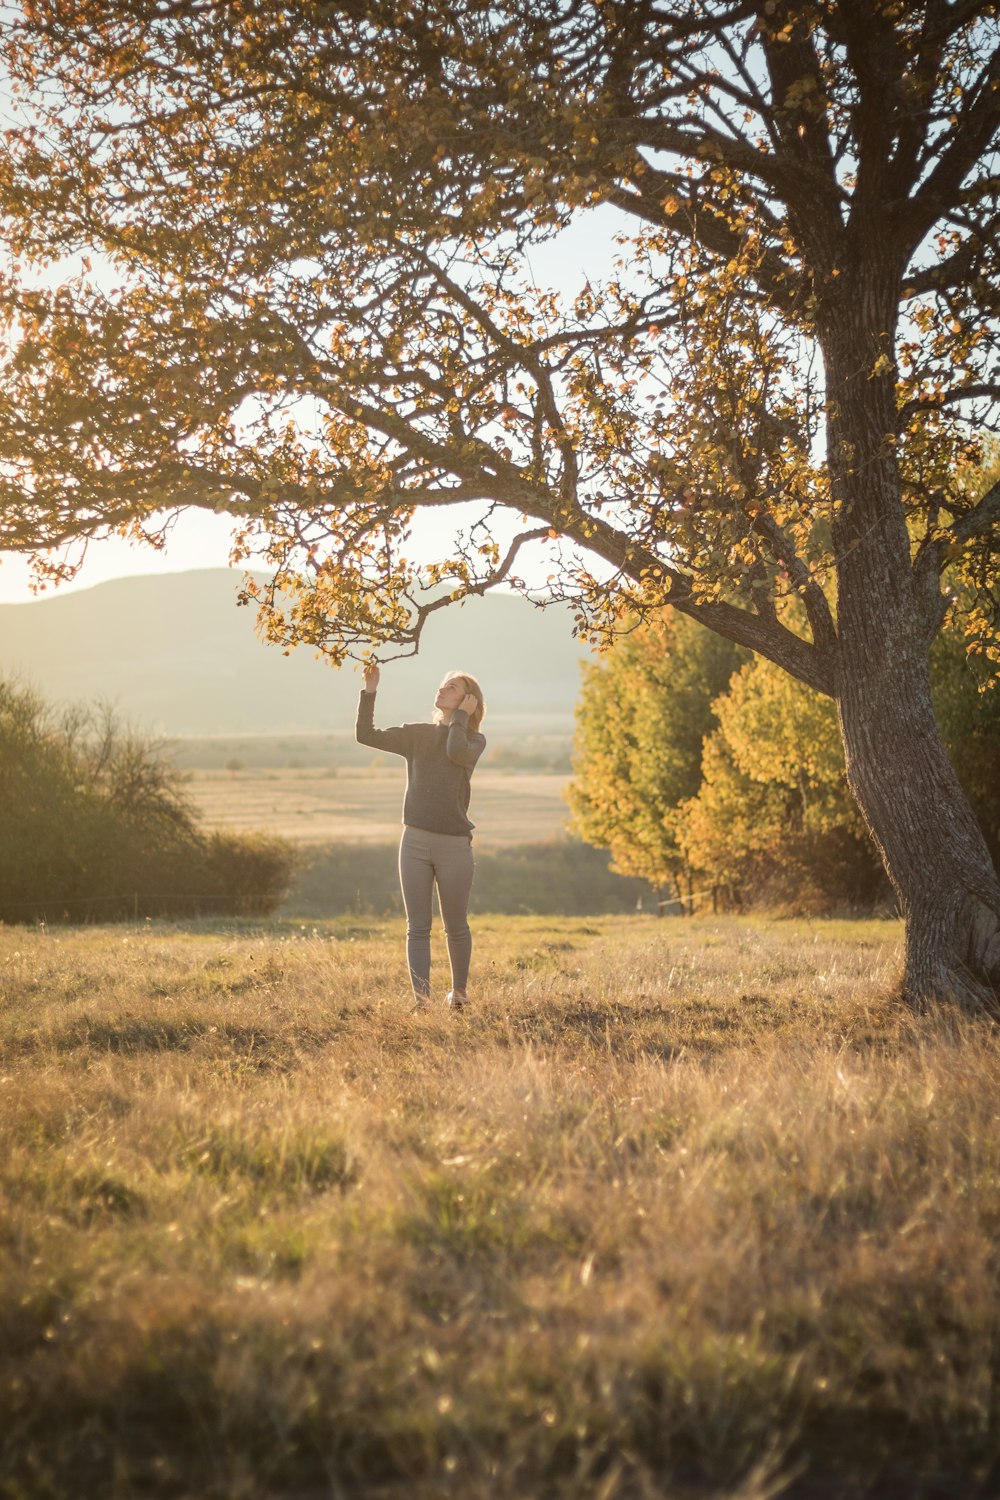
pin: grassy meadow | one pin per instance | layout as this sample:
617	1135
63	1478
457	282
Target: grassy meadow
677	1208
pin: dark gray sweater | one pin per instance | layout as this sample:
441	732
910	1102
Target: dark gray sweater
439	764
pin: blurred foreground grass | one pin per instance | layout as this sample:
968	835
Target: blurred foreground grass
679	1208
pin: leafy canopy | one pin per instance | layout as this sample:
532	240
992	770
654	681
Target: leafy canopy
320	314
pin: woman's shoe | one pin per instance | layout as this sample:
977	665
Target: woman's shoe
420	1004
457	1000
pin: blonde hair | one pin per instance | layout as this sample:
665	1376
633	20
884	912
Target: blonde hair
471	686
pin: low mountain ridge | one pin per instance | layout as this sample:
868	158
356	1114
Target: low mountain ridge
175	654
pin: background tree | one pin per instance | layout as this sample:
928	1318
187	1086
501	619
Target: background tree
748	792
773	821
324	219
643	715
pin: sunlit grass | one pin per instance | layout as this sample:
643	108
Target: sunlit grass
676	1208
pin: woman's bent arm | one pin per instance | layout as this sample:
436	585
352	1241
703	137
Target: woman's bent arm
464	749
395	740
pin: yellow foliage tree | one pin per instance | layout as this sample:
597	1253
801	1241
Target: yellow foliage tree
773	820
642	718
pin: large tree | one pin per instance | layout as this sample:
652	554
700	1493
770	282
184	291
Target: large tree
324	217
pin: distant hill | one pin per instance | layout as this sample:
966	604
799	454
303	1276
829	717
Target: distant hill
175	654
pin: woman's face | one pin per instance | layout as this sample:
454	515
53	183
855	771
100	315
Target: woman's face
450	694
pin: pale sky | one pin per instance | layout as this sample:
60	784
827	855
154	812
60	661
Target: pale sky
200	540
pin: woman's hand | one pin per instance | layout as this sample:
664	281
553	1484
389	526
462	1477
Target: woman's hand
371	677
468	703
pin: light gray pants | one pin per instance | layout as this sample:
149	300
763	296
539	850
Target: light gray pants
444	859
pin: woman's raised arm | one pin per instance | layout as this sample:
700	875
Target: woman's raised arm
395	740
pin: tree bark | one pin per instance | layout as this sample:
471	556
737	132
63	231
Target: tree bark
920	818
897	765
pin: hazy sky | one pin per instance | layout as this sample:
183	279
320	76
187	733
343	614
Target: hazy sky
200	540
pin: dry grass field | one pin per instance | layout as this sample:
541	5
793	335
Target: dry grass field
677	1209
314	806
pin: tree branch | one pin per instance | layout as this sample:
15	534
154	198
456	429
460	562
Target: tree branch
980	391
983	516
808	661
480	587
814	600
977	127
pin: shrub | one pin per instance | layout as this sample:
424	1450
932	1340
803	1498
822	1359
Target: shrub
95	826
248	874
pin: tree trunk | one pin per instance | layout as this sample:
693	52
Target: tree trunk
920	817
933	850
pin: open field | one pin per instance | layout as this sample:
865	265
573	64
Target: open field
679	1208
528	741
315	806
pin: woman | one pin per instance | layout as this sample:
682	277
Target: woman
436	847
